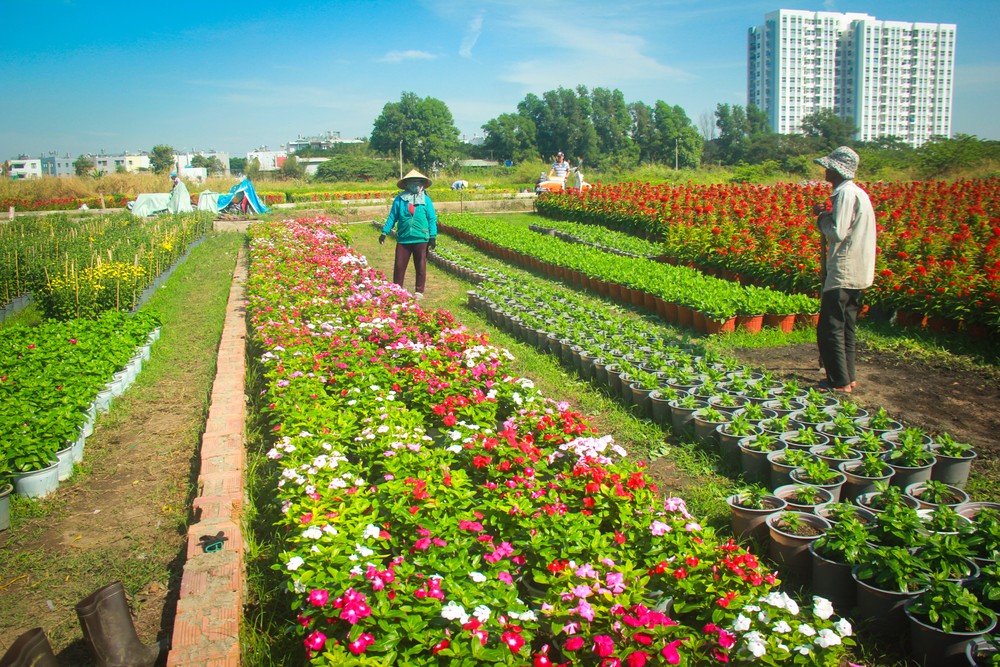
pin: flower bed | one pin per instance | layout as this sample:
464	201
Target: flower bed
63	203
938	242
718	300
436	508
79	268
51	374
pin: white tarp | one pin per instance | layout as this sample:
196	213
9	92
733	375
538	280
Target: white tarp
209	201
177	200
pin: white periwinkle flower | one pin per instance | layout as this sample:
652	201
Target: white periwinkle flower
782	626
741	624
482	613
312	533
807	629
843	626
827	638
294	563
822	607
454	612
477	577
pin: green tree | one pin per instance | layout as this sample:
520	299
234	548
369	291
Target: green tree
643	131
941	155
355	167
612	124
424	126
511	136
829	129
214	166
161	159
83	165
253	169
237	165
291	169
677	142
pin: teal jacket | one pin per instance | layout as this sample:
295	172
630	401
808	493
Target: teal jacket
418	227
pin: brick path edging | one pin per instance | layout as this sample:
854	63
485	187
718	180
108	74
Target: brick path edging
210	608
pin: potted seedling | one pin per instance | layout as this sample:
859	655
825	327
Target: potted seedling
834	555
863	475
749	510
888	577
930	494
790	534
754	453
815	472
954	460
943	620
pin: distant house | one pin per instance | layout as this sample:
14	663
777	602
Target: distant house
25	167
52	165
269	160
324	142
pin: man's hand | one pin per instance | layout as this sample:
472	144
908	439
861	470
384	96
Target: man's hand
432	243
818	208
381	239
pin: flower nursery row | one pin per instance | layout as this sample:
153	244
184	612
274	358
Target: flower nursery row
54	379
80	267
63	203
833	515
668	290
938	242
437	509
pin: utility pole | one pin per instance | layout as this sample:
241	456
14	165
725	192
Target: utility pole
676	140
401	158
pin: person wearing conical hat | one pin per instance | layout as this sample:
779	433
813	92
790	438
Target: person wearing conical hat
847	267
413	215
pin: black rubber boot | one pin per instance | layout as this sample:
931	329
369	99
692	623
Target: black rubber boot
108	630
31	649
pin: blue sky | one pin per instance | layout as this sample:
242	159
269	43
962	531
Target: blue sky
81	76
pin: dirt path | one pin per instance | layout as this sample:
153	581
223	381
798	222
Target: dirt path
125	517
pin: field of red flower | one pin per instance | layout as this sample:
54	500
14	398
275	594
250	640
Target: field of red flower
939	243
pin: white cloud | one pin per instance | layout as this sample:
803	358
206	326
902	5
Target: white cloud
401	56
472	32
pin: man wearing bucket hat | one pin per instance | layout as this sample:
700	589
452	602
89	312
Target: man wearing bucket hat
413	212
847	267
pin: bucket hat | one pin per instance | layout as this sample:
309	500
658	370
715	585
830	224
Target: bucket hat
842	160
413	174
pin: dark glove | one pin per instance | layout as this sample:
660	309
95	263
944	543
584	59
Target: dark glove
381	239
432	243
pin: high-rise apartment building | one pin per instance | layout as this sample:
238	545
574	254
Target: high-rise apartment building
892	78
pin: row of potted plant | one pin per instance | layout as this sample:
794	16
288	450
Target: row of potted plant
938	241
80	267
54	379
435	507
882	442
641	282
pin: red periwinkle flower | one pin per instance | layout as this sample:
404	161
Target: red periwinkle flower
573	643
671	654
440	646
513	640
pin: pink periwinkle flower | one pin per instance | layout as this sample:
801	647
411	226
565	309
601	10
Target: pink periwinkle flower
637	659
671	654
315	641
573	643
506	578
318	597
361	644
659	528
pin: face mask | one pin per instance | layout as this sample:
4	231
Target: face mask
413	188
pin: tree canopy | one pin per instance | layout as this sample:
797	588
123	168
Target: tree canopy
424	126
161	159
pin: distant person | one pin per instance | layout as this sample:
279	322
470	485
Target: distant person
560	168
413	211
847	267
459	185
578	173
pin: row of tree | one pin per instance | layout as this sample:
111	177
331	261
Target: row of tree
607	133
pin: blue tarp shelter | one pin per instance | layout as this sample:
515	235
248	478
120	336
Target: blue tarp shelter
241	198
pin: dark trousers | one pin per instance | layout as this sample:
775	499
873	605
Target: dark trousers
403	253
835	334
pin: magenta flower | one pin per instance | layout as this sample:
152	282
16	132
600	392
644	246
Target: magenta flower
671	654
315	641
637	659
319	597
604	645
359	645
